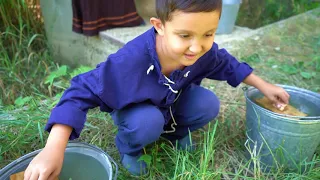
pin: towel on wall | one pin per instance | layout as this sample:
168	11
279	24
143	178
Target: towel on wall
92	16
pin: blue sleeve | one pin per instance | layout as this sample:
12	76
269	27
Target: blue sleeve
83	94
225	67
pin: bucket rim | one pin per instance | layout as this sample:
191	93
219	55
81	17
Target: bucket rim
71	144
309	119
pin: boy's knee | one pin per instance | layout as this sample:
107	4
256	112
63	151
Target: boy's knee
148	127
214	107
209	106
198	104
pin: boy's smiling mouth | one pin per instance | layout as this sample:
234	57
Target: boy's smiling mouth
190	56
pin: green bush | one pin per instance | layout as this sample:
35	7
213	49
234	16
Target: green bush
254	14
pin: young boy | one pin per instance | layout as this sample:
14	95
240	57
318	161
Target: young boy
151	87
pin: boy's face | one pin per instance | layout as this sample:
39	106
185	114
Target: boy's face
188	36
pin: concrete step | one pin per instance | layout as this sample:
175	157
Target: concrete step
121	36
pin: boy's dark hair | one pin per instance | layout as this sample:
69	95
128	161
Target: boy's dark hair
165	8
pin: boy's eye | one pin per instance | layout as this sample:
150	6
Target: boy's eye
184	35
209	35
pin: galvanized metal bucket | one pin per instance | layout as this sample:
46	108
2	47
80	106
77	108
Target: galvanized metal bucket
281	140
82	161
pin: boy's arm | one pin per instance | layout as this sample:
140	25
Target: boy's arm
253	80
82	95
226	67
274	93
87	91
107	87
66	121
59	136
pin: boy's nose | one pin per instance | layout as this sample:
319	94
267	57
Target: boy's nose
195	48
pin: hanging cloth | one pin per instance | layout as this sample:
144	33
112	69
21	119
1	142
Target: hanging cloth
92	16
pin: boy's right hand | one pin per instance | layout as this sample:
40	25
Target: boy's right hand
45	166
48	163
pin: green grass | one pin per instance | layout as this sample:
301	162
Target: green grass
290	51
24	55
31	88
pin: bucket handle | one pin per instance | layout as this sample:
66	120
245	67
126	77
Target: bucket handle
115	164
244	89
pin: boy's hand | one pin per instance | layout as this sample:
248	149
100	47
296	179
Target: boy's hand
277	95
45	166
48	163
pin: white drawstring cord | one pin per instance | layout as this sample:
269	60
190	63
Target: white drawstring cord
151	68
174	121
174	91
186	74
177	97
169	80
172	124
173	129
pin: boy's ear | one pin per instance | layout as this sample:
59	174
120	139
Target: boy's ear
157	24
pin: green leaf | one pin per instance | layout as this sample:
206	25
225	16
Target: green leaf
299	64
317	62
146	158
289	69
314	74
316	89
252	58
62	71
50	79
22	101
271	62
162	145
80	70
307	75
58	96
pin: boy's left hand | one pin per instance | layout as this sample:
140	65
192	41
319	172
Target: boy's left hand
276	94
